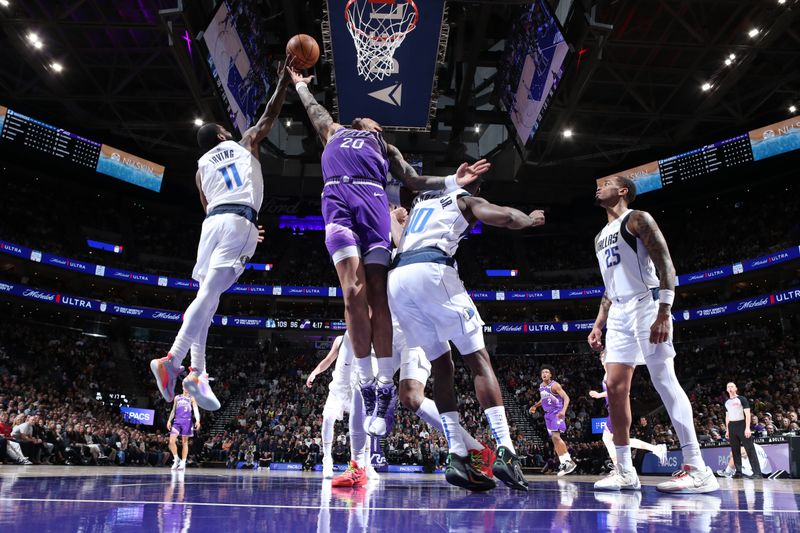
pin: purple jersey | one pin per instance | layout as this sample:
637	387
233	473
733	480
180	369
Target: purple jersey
551	402
183	408
357	154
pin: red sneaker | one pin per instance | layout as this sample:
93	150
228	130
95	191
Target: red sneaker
352	477
482	460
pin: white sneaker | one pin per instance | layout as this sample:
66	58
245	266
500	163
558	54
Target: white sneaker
567	467
661	453
182	465
372	475
175	464
724	473
327	467
690	480
196	384
619	479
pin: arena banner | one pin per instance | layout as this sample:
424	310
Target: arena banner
134	415
24	252
376	457
599	425
717	459
397	92
89	304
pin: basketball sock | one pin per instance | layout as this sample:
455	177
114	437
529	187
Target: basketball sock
678	408
327	435
358	438
197	318
608	440
198	352
452	431
471	442
385	369
642	445
364	369
430	414
564	458
624	456
497	421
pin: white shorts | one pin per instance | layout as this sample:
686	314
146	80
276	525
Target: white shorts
226	240
433	307
628	333
411	361
338	403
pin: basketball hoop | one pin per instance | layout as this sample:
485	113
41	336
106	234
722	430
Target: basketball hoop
378	28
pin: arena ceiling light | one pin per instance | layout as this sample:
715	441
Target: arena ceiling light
56	66
567	133
198	122
477	129
4	3
288	123
752	33
779	1
706	86
792	109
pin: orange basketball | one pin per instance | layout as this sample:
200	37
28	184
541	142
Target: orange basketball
304	49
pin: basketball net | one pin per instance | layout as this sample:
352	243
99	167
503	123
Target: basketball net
378	28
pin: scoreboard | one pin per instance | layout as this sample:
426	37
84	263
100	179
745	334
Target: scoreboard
29	133
755	145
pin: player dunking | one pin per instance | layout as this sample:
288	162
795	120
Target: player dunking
636	308
180	423
355	164
231	190
659	450
433	309
554	401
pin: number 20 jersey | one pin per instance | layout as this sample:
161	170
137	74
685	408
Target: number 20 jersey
435	221
625	264
230	174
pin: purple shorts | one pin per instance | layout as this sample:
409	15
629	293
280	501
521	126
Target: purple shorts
355	215
182	428
608	425
552	423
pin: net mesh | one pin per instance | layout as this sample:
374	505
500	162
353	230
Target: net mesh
378	29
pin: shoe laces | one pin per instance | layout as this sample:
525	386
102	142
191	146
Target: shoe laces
476	459
384	398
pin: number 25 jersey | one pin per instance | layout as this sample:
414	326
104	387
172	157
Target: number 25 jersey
624	261
230	174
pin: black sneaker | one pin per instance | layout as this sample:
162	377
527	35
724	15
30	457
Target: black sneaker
736	475
753	476
460	472
507	469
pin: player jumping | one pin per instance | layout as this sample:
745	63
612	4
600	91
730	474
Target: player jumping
231	190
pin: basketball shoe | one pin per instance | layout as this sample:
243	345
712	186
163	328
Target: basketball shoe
354	476
166	375
567	467
386	402
482	460
690	480
507	469
619	479
368	393
196	384
462	473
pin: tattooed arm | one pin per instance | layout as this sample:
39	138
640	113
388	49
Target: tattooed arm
596	336
641	224
320	118
402	170
254	135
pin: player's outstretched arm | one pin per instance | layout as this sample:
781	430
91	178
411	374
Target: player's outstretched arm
255	134
326	362
642	225
499	216
402	170
596	335
319	116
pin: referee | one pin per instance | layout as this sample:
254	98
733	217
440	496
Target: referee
737	422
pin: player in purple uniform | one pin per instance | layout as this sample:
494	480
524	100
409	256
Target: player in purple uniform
355	166
180	423
554	401
659	450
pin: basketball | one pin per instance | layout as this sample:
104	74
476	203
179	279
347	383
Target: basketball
304	49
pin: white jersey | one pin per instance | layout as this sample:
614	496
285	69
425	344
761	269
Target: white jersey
435	221
342	371
230	174
624	262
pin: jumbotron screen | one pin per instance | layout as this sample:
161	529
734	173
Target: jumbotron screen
32	134
755	145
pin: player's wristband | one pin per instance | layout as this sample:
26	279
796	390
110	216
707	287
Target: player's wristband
450	183
666	296
300	84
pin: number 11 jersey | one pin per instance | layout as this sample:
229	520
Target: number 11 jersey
230	174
